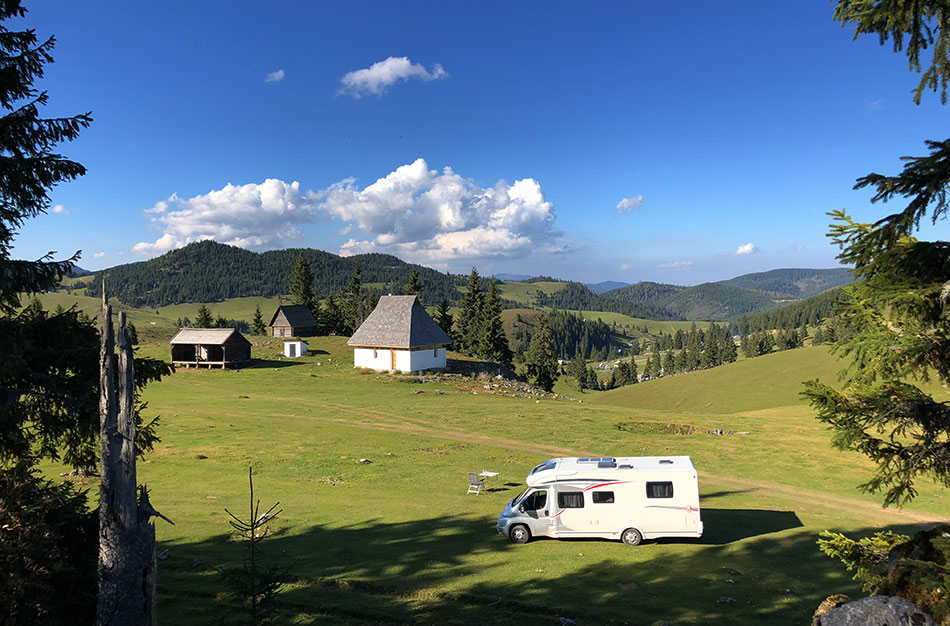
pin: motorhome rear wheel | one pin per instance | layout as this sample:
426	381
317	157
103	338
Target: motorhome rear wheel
631	537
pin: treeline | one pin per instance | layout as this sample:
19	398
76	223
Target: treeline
578	297
809	312
478	331
572	335
207	271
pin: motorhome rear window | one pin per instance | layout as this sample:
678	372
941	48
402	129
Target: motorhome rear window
602	497
660	490
547	465
570	500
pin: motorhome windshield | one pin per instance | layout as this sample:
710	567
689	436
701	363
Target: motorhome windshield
519	497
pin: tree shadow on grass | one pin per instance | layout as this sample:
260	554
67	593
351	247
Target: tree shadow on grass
456	569
272	364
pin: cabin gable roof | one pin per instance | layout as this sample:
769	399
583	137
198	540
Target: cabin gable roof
399	322
208	336
296	315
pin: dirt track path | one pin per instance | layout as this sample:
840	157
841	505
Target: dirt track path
384	421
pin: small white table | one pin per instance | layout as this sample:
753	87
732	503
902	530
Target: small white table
485	474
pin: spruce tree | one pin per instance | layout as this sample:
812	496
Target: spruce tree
301	284
443	318
334	321
669	363
414	287
355	300
204	318
257	323
493	343
470	317
540	359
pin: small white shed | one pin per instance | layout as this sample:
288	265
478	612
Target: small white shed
399	335
293	349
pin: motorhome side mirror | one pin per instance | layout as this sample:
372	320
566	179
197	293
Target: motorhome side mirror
521	509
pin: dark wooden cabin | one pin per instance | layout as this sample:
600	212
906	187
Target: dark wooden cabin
294	320
210	347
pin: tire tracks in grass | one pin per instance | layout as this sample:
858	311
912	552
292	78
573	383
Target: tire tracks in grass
391	422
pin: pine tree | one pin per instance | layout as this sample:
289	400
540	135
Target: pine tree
540	359
669	363
414	287
355	300
257	323
301	284
443	318
204	318
470	317
494	344
577	368
333	318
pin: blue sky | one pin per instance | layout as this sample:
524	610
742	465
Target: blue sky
489	134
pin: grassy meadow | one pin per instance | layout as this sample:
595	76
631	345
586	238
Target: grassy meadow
398	541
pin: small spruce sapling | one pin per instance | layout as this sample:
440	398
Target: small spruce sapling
256	583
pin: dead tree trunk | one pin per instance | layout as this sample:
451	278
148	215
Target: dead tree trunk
126	537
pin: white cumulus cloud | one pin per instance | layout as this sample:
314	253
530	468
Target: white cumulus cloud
749	248
99	255
275	77
59	209
434	217
378	77
252	216
629	205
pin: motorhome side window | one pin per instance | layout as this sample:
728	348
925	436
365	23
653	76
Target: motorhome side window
602	497
570	500
660	490
535	501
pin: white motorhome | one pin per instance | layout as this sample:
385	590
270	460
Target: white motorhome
624	498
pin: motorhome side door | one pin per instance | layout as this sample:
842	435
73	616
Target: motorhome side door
536	509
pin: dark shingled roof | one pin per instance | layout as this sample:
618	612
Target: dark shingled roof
204	336
399	322
298	315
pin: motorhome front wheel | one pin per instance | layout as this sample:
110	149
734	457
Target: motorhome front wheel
631	537
519	534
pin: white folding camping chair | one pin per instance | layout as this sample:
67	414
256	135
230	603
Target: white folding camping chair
474	484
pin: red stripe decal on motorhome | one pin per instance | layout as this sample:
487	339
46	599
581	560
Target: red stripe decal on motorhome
558	513
616	482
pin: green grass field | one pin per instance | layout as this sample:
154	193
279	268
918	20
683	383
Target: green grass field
397	541
526	292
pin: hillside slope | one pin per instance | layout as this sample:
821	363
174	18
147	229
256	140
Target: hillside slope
770	381
793	283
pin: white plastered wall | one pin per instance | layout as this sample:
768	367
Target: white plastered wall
406	360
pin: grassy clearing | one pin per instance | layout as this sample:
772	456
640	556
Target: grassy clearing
397	541
527	292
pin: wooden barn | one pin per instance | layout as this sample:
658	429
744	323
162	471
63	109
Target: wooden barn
399	335
294	320
210	347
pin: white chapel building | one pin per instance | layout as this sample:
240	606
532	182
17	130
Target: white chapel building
399	335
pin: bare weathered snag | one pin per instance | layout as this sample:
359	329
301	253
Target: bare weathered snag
127	567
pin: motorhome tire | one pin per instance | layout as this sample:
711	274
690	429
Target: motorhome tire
519	534
631	537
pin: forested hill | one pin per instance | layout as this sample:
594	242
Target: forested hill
793	283
731	298
210	272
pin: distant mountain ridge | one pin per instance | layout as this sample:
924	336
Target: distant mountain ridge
737	296
605	285
210	272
